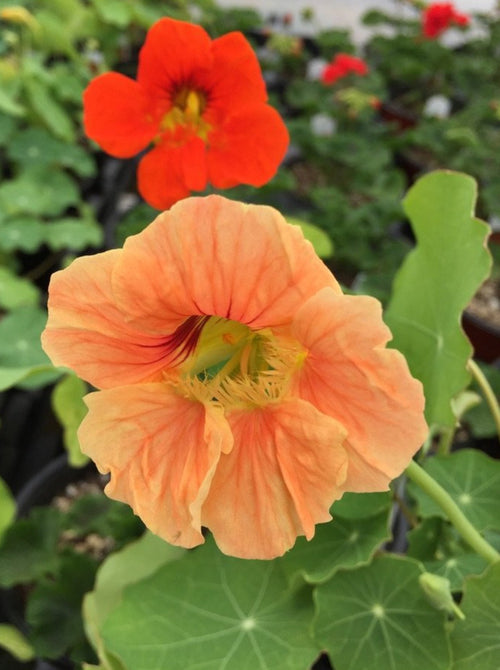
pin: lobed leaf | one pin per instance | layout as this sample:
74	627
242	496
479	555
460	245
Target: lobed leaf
435	284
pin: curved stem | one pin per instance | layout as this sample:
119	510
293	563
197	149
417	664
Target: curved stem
486	390
420	477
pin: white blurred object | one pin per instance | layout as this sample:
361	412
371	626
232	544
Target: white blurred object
438	106
314	68
323	125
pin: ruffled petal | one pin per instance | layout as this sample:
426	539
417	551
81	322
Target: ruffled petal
235	79
160	179
280	479
161	450
219	257
175	54
87	332
247	147
119	115
351	376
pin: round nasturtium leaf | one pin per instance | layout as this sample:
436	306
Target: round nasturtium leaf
342	543
473	481
378	617
210	611
475	641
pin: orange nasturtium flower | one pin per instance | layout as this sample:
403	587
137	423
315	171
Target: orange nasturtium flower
241	390
202	106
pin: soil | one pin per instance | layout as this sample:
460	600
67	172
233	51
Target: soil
91	544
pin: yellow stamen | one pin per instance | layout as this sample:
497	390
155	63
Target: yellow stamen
240	367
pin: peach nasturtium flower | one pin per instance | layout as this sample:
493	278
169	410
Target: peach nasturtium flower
241	390
201	105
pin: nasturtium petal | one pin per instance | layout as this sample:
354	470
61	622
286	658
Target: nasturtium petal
383	609
219	257
92	336
435	284
288	460
122	121
216	612
143	426
472	479
350	375
341	544
475	641
174	52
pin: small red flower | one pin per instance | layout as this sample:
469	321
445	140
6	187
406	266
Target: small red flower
440	16
201	103
342	65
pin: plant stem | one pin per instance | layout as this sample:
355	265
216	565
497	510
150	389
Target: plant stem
486	390
420	477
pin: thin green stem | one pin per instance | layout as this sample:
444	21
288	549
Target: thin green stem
420	477
445	441
487	391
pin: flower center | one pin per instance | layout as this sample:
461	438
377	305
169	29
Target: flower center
235	364
187	112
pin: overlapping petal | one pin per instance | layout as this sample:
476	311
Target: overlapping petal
119	115
218	257
286	468
87	331
232	141
234	82
161	450
174	53
351	376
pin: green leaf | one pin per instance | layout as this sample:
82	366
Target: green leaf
21	357
36	147
473	481
12	376
9	103
68	406
361	505
210	610
96	513
15	291
48	109
24	233
15	643
378	617
135	562
7	127
29	547
475	641
435	284
321	242
53	610
457	568
340	544
20	332
116	12
74	234
38	191
7	508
